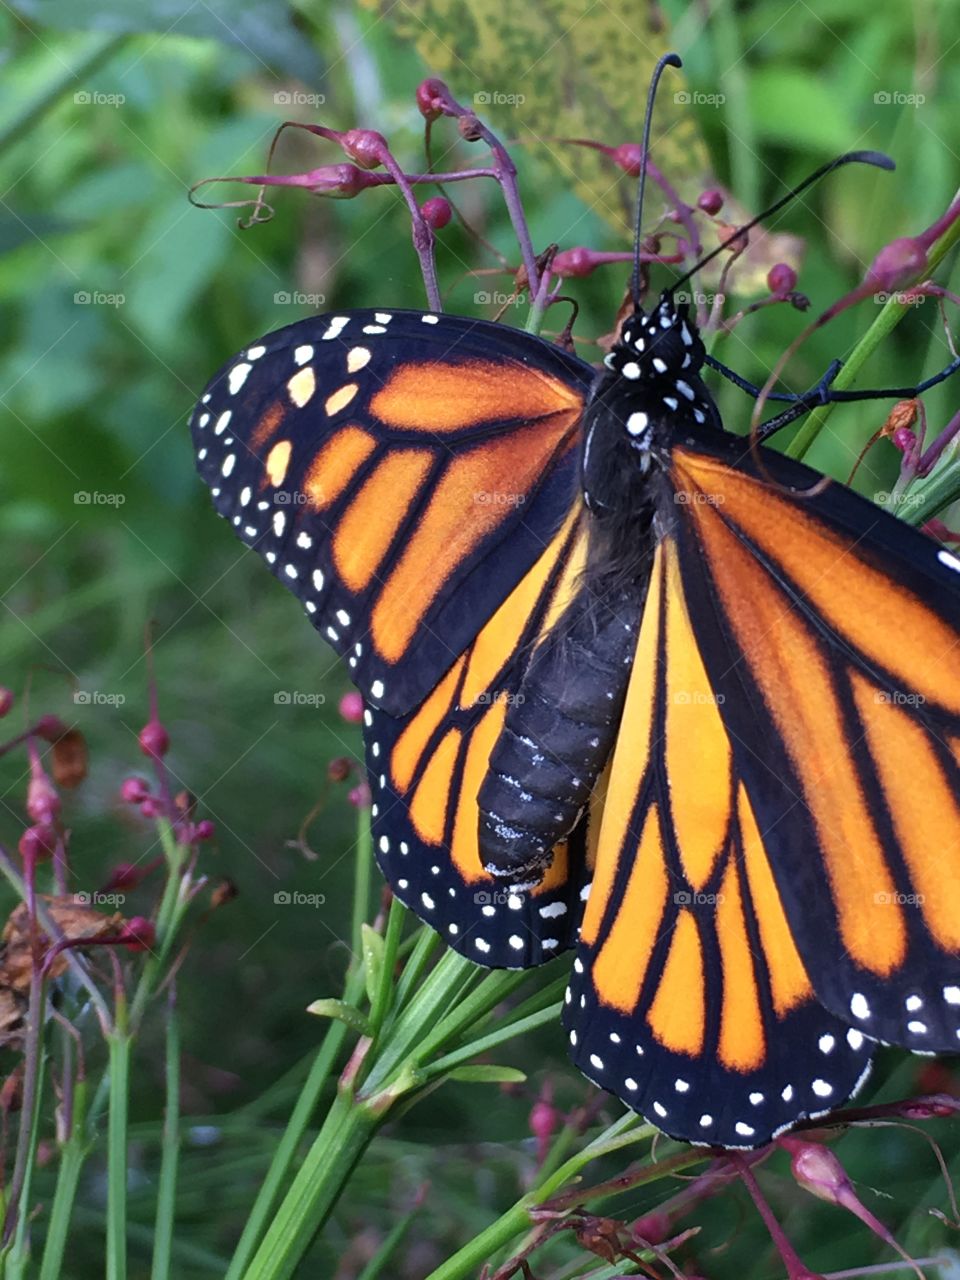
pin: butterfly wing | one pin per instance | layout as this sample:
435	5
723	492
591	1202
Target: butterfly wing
689	999
833	629
400	472
426	768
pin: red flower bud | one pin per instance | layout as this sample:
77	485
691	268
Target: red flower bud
138	934
50	728
359	796
125	875
904	439
38	843
781	279
365	147
339	769
6	700
43	802
154	739
574	262
629	157
431	96
134	790
351	707
205	830
710	201
437	212
151	807
899	262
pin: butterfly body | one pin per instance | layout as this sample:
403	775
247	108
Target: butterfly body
540	575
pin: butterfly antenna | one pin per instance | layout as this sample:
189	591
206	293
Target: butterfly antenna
668	60
876	158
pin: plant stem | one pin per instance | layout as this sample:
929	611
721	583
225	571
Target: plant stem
73	1153
169	1160
120	1042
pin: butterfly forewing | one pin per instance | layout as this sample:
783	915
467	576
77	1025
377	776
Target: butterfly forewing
399	472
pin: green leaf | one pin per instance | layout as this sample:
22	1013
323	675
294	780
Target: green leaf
260	27
797	109
345	1013
372	944
483	1074
543	72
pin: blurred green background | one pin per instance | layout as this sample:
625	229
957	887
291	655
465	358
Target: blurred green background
119	302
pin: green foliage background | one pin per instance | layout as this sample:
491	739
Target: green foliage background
94	398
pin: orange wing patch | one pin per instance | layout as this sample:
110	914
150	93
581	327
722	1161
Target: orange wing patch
335	465
371	521
450	397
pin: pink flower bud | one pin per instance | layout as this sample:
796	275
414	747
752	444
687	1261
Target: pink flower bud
6	701
652	1228
134	790
904	439
50	728
37	843
628	157
43	802
574	262
125	875
154	739
151	807
351	707
710	201
365	147
781	279
431	96
817	1169
437	212
359	796
205	829
899	262
138	934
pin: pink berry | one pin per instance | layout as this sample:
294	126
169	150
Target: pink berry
351	707
154	740
710	201
134	790
437	212
781	279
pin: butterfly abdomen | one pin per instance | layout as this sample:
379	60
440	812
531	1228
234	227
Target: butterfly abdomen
558	733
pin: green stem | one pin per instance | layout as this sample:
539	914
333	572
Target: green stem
120	1043
169	1160
73	1153
172	907
928	500
467	1261
319	1181
381	1001
361	884
888	319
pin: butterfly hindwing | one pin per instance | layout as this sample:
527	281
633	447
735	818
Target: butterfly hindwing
689	999
400	472
833	632
425	771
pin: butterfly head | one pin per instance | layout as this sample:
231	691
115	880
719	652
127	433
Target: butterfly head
657	360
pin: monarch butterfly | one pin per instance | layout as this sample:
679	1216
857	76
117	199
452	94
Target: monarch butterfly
632	687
